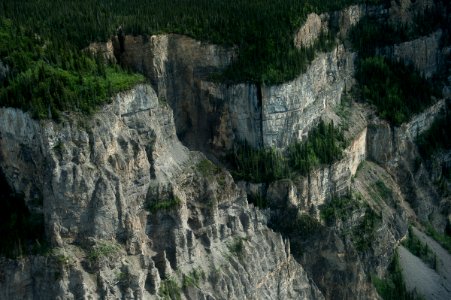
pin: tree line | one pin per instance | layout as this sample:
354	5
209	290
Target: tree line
323	146
47	77
262	29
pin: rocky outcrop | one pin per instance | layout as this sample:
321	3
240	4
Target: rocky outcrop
394	148
291	109
131	213
309	32
425	53
309	193
213	116
387	143
104	50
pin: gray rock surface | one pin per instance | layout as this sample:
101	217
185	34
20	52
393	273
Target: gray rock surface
421	278
131	213
102	180
425	53
212	115
394	148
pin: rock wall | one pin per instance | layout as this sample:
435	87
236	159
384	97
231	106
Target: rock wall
290	110
131	213
386	144
425	53
309	32
213	116
309	193
208	115
394	148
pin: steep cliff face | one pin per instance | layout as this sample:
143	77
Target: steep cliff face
426	54
291	109
394	149
208	114
130	212
214	116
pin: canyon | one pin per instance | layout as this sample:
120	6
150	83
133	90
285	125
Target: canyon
138	204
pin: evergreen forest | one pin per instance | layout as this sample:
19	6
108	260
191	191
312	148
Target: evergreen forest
262	29
323	146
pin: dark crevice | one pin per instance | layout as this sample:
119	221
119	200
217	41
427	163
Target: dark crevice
260	107
21	230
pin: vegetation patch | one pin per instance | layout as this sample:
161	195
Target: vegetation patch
363	235
237	247
193	278
383	190
62	258
441	238
392	287
165	204
371	33
48	77
262	29
323	146
103	250
340	208
437	137
207	168
396	90
170	289
420	249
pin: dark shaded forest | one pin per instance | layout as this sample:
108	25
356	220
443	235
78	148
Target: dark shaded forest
323	146
397	90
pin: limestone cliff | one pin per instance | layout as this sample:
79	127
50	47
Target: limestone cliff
132	213
213	116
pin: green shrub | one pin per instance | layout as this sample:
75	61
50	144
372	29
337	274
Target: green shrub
323	146
165	204
103	250
193	278
237	247
396	90
392	287
169	289
420	249
207	168
437	137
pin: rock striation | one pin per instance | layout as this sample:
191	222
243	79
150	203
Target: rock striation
132	213
219	115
